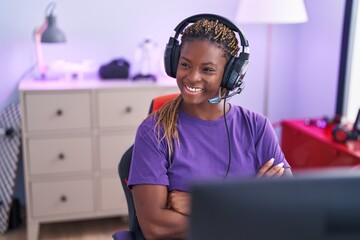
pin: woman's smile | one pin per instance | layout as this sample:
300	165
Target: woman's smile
193	89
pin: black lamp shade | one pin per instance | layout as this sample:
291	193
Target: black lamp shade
52	34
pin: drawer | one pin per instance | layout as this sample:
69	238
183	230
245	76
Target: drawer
62	197
124	108
60	155
113	147
112	195
57	111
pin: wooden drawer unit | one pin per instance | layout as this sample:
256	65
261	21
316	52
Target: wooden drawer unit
74	134
113	146
60	155
57	111
62	197
127	109
111	197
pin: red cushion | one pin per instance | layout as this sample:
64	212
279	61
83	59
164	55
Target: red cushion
158	102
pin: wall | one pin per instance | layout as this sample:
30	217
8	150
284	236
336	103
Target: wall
304	63
318	56
96	30
304	56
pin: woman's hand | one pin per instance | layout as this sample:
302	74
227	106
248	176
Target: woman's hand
269	170
179	202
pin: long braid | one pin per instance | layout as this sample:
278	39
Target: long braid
167	117
216	33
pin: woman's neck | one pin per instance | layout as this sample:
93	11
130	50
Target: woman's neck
206	112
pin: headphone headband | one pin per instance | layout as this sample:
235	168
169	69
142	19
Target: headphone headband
182	25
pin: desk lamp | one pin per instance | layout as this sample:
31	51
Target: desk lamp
47	33
270	12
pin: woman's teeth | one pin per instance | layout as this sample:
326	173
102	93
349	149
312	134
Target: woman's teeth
191	89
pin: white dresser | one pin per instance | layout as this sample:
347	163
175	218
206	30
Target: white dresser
74	134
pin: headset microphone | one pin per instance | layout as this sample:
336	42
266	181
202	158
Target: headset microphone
216	100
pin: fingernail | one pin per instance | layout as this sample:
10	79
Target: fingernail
280	164
272	159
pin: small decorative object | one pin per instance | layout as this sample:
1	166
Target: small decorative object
116	69
75	70
146	57
346	132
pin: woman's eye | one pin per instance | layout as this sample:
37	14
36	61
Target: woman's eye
209	70
184	65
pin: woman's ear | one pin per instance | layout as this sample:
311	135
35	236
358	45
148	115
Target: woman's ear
222	91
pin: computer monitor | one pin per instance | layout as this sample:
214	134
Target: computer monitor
319	205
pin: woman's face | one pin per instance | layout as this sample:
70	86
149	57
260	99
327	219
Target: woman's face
200	71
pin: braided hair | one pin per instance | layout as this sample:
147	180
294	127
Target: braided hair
216	33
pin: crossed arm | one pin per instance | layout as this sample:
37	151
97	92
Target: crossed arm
180	201
164	215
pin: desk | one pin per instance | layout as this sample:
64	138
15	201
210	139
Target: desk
309	147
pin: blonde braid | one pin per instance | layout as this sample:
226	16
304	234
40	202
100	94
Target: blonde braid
167	118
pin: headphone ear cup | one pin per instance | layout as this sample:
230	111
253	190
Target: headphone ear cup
227	73
235	71
167	56
175	60
340	134
171	57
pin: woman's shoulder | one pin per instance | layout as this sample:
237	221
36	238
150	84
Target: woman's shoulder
150	120
149	124
247	114
255	123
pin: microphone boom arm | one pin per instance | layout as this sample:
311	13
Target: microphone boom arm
217	100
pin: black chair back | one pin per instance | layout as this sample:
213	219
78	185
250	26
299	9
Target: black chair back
123	169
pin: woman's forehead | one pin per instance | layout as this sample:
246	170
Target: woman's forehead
202	49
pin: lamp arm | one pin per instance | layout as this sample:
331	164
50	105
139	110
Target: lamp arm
38	50
50	9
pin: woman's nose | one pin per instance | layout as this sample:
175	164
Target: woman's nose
194	76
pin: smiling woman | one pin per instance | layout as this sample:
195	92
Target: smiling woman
191	137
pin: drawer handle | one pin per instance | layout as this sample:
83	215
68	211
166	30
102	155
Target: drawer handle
59	112
128	109
61	156
63	198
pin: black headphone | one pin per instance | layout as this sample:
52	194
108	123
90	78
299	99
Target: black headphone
236	67
342	134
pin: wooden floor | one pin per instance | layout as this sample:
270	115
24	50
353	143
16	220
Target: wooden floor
98	229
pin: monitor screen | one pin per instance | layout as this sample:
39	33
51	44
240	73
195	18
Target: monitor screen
312	206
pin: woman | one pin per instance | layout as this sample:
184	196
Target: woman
190	138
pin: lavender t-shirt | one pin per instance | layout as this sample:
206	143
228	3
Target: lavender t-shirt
203	149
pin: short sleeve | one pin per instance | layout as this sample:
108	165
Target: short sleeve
149	158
